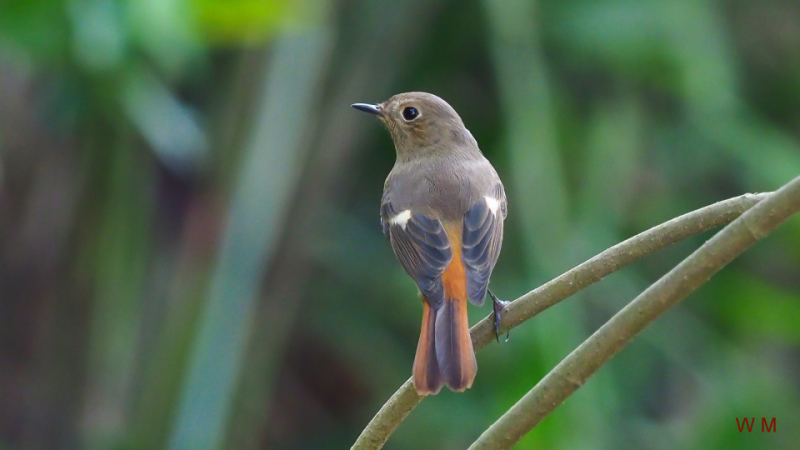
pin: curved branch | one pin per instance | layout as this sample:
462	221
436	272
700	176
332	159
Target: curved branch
609	261
615	334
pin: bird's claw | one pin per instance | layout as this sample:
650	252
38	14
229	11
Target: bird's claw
497	307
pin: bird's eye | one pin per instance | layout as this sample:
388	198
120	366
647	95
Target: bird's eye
410	113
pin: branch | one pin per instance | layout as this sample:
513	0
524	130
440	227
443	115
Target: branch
405	399
687	276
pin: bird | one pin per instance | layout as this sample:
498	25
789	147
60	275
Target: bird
442	209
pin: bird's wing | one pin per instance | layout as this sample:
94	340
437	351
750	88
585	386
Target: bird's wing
423	248
481	237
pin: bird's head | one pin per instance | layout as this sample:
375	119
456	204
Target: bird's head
420	124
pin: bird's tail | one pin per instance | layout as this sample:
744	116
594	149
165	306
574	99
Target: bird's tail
444	352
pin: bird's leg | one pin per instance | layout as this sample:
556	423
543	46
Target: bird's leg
497	306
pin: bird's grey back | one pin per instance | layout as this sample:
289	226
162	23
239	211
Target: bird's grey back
441	186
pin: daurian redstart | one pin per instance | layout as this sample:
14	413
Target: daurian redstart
443	208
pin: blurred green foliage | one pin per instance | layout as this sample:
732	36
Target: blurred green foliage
190	255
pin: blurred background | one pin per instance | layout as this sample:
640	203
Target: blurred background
190	251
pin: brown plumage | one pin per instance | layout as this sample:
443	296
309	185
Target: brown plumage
443	208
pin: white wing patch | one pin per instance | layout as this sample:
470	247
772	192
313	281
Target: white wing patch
493	204
401	219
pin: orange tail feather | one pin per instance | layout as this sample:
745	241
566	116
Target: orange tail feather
427	379
444	352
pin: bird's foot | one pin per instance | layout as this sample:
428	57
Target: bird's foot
497	306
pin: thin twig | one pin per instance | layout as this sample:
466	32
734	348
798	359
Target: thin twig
598	349
405	399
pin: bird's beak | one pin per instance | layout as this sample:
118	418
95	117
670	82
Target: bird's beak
367	108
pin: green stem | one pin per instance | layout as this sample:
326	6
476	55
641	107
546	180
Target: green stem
665	293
